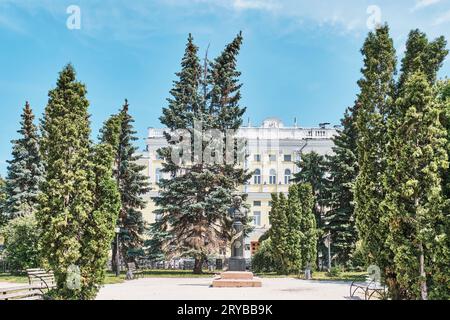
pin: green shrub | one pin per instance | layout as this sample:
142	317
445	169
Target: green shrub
335	272
21	243
263	260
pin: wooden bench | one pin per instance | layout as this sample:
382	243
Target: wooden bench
369	288
22	293
133	271
39	283
41	278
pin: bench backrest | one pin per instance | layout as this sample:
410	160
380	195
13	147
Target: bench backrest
41	278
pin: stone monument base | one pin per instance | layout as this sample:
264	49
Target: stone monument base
236	279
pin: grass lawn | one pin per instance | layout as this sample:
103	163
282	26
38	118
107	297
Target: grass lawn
112	279
321	276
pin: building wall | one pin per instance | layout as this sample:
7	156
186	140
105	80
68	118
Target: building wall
267	147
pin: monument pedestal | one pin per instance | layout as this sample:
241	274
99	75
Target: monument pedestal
236	279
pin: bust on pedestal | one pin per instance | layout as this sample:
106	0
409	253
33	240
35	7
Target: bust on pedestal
237	276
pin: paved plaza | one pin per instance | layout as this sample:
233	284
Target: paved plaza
199	289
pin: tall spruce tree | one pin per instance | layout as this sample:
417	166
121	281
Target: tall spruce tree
66	199
376	99
131	181
416	156
279	233
194	204
342	166
308	226
25	170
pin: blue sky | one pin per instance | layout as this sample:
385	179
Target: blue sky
299	58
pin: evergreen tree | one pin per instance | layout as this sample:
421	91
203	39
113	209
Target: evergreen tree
99	227
313	171
308	226
376	99
66	199
131	181
279	232
3	216
342	166
25	170
293	212
194	204
414	199
416	156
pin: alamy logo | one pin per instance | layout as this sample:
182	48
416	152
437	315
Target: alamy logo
74	20
73	280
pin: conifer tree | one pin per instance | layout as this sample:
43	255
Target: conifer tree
25	170
342	166
376	99
3	217
308	226
313	171
416	157
293	212
131	181
279	232
414	199
194	204
66	199
99	227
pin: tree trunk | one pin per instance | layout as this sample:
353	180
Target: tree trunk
423	275
113	258
198	266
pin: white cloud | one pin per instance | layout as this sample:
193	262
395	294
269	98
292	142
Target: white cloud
254	4
420	4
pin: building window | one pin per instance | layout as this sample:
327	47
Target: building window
257	218
272	157
273	177
287	176
257	177
270	203
157	175
257	157
257	203
287	158
158	217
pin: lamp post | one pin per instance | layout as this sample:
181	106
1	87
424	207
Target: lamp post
117	252
237	259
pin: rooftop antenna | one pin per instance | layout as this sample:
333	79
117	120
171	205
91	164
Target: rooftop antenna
248	123
295	122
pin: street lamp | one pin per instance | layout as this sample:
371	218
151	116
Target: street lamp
117	252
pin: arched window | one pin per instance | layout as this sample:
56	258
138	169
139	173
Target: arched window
157	175
287	176
273	177
257	177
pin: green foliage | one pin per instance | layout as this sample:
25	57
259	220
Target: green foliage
279	232
263	260
99	228
309	233
343	170
293	231
21	237
3	217
79	201
375	103
25	170
193	206
312	170
131	181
